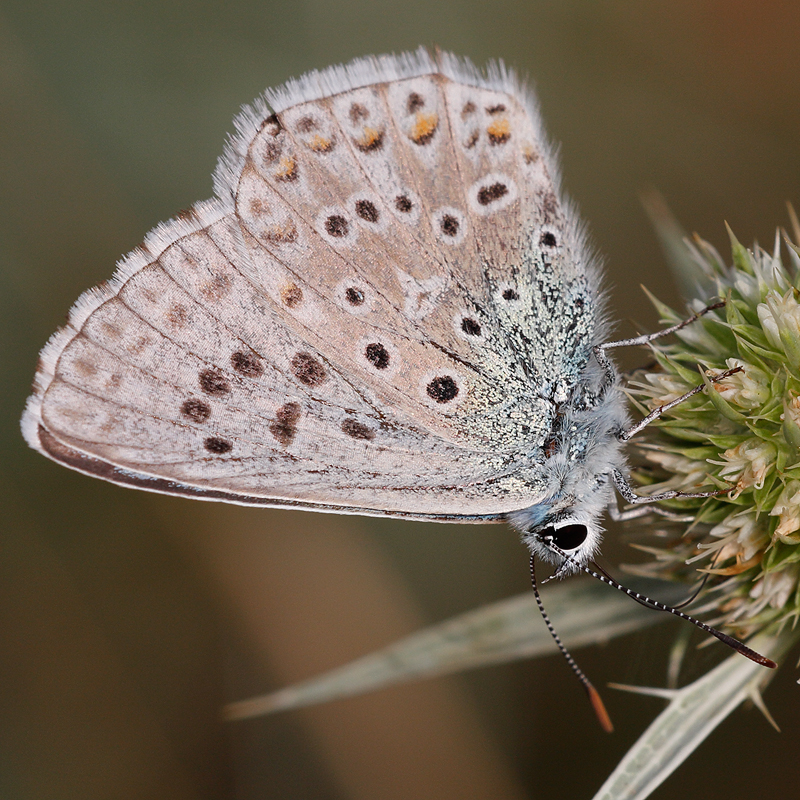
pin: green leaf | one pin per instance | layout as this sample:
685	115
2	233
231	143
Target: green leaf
781	556
722	405
741	256
726	442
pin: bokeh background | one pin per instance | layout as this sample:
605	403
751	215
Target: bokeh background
128	619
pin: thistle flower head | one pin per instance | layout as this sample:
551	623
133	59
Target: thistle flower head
740	435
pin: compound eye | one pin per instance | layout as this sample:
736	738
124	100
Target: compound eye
570	537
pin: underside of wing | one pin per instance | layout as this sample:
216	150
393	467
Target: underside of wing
378	314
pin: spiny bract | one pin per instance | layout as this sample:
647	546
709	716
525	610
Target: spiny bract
741	435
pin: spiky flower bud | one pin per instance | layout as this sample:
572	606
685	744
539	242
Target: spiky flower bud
740	435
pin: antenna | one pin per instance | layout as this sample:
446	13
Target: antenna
594	695
735	644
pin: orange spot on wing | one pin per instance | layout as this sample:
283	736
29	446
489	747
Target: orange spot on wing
320	144
281	233
287	169
425	125
370	139
499	131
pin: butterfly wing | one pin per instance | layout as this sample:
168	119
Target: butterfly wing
379	312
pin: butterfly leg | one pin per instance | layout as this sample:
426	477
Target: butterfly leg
642	510
605	362
657	412
624	488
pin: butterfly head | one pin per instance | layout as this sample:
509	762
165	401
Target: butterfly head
576	534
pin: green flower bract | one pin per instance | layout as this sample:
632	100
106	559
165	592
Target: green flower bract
740	435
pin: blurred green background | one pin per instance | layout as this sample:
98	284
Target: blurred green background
128	619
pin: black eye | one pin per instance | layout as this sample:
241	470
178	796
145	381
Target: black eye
570	537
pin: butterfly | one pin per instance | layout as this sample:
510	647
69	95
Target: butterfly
386	309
